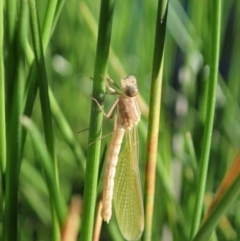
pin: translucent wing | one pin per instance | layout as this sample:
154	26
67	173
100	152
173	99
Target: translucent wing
127	195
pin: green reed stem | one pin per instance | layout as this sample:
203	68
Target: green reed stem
14	129
211	99
154	117
95	130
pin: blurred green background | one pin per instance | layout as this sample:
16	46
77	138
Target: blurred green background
70	59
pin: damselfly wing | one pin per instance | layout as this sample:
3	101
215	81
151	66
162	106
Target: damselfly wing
127	195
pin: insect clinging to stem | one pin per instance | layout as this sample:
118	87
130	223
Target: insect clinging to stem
121	177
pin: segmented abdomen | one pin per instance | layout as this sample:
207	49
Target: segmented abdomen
110	169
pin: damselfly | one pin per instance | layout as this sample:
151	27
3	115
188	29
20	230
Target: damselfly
121	177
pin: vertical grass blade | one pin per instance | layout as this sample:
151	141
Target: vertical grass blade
14	130
44	98
154	117
101	62
42	77
2	100
48	22
11	10
211	97
31	90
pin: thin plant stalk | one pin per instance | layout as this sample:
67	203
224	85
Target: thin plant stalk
48	22
211	97
59	7
2	100
95	130
154	117
31	88
44	98
11	7
14	133
42	79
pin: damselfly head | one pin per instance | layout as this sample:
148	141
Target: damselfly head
129	85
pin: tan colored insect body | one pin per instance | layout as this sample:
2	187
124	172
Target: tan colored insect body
127	175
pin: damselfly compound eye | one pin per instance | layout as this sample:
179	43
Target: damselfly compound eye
131	91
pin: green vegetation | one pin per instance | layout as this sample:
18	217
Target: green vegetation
52	59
